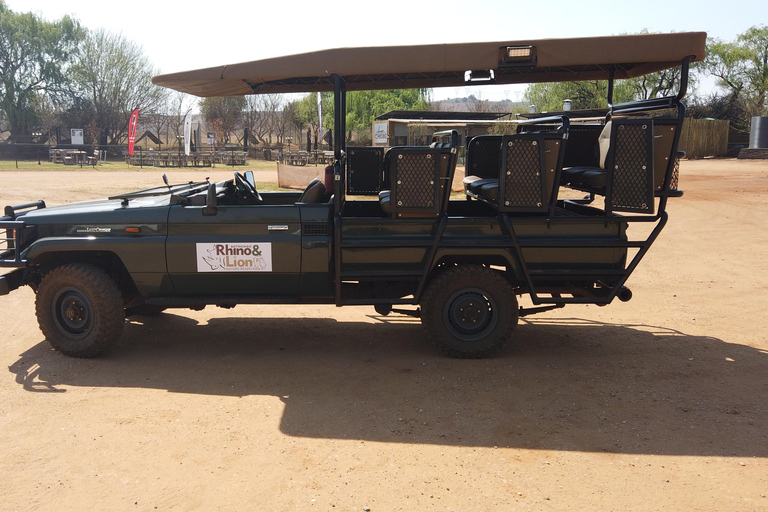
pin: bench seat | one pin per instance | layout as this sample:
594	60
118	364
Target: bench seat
585	176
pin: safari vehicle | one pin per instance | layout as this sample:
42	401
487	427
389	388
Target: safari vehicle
401	240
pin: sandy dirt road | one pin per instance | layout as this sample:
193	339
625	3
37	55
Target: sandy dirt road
656	404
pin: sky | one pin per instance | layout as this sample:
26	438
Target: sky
178	37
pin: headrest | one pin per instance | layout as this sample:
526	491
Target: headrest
313	193
604	141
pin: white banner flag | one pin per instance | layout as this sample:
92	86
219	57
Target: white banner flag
320	117
187	132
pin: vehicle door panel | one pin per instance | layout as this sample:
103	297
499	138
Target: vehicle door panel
241	250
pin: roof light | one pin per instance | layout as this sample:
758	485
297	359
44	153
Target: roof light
517	56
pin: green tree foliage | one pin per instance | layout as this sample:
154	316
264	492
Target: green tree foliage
33	61
741	69
224	114
306	110
113	77
549	97
364	106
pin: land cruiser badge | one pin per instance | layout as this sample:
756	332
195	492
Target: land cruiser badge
234	257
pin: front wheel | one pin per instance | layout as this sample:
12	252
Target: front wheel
469	311
80	310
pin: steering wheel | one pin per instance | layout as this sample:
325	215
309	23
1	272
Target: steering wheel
245	188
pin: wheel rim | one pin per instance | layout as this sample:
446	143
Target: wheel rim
470	314
72	313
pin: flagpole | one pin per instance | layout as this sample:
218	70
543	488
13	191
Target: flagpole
320	119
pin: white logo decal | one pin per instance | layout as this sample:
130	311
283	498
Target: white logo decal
234	257
92	229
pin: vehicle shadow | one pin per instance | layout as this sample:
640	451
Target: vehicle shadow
564	384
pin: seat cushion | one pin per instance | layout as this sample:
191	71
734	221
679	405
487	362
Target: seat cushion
586	176
490	191
477	185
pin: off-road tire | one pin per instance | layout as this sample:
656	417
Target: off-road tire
469	311
80	310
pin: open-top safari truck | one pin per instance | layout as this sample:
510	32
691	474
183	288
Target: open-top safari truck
464	261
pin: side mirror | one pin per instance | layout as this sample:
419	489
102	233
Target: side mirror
250	179
211	204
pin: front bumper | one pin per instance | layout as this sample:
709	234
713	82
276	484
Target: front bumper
11	281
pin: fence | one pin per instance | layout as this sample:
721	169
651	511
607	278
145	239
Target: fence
704	137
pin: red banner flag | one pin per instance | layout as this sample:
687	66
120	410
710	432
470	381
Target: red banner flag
132	130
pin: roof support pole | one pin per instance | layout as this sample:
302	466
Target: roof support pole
610	88
684	78
339	116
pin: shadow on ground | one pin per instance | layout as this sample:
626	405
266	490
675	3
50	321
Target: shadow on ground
564	384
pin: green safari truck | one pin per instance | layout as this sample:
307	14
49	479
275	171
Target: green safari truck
383	229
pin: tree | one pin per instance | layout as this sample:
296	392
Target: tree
364	106
305	113
33	60
114	75
548	97
260	115
167	120
741	69
224	114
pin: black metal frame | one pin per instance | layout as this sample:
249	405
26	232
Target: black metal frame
15	234
590	215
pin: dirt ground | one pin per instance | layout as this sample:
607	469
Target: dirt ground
655	404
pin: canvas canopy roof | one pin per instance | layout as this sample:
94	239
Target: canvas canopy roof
444	65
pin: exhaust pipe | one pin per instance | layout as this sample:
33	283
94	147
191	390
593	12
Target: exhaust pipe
624	294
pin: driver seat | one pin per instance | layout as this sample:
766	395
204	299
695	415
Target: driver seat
313	193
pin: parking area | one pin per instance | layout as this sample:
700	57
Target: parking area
658	403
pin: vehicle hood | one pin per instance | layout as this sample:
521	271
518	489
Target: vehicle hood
102	216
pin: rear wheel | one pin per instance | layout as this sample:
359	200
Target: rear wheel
80	310
469	311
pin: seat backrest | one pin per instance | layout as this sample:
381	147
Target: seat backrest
530	168
313	193
663	139
630	166
604	143
365	170
483	156
581	149
420	177
414	175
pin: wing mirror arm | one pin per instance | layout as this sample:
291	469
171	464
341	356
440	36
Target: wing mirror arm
211	204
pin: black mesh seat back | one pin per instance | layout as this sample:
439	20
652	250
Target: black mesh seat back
523	183
630	167
420	177
365	170
531	166
483	156
582	148
414	174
